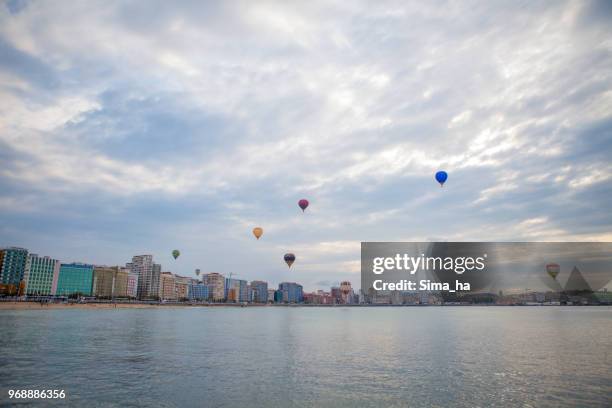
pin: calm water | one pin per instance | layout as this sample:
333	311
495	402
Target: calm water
290	357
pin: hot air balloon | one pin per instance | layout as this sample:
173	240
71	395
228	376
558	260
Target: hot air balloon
441	177
176	253
290	259
303	203
553	270
197	271
257	231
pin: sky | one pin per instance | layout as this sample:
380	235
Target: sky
139	127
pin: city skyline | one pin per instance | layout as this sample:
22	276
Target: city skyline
29	274
187	126
29	277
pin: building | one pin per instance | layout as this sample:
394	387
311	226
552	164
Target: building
325	298
291	292
74	279
148	276
110	282
259	290
132	283
217	283
167	286
12	269
199	291
336	294
40	274
363	299
156	276
182	284
4	289
318	298
271	295
236	290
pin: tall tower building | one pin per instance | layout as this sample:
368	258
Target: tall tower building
110	282
216	281
12	267
74	279
167	286
182	284
236	290
156	279
260	291
132	282
291	292
148	276
41	273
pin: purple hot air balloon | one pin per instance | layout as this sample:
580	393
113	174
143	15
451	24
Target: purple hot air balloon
303	203
290	259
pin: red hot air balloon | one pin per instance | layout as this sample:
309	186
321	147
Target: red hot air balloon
553	270
303	203
290	259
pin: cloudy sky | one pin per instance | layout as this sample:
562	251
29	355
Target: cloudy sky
140	127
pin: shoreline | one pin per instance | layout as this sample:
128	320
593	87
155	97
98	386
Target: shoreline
16	305
44	306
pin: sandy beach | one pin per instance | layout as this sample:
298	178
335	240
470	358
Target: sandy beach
39	306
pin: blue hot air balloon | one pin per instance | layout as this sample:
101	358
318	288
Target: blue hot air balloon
441	177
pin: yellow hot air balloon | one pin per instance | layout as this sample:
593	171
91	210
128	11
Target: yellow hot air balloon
258	232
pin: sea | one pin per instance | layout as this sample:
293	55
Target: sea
463	356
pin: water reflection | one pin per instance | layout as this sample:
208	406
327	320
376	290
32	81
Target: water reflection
280	357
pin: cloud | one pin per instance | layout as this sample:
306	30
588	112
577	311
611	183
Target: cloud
129	127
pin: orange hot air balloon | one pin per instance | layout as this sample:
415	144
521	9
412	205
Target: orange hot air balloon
553	270
258	232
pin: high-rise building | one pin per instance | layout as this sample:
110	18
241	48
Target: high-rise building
12	269
132	283
271	295
40	274
217	283
148	276
110	282
156	277
74	279
182	286
167	286
260	291
291	292
199	291
236	290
